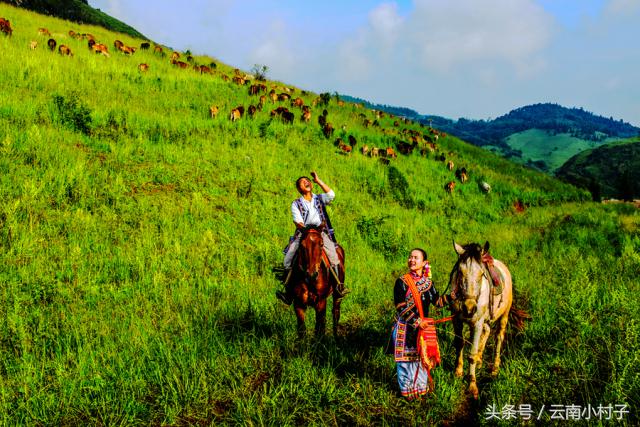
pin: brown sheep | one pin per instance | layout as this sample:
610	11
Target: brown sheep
5	26
180	64
298	102
158	50
64	50
352	140
44	32
128	50
391	153
306	116
374	152
174	56
364	150
145	46
100	48
143	67
33	45
450	165
52	44
288	117
449	186
327	130
462	175
213	111
252	110
118	45
346	149
237	113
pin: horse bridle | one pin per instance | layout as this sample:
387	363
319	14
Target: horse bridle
316	230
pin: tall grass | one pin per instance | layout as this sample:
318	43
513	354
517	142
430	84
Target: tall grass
136	256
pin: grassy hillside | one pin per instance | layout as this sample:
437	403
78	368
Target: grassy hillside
539	148
78	11
137	234
608	171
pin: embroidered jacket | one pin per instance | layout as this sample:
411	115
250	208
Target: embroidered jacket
408	319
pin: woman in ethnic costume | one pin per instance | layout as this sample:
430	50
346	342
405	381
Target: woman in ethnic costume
412	378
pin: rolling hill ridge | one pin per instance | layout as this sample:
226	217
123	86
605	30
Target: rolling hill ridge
542	136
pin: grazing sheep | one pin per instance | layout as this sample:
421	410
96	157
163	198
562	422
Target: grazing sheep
237	113
64	50
449	186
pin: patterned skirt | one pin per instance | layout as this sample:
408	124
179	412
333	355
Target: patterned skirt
412	377
412	386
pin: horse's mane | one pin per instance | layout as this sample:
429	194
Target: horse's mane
471	250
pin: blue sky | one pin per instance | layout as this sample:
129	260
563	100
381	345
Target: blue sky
462	58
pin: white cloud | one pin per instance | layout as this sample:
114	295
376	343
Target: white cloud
275	50
617	7
386	24
452	33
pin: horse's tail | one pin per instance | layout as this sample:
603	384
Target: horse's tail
517	316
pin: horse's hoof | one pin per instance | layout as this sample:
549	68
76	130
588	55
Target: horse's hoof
459	373
473	390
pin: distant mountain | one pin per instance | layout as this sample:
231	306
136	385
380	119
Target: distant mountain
612	170
542	136
78	11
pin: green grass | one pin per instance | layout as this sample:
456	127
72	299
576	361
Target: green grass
554	150
137	243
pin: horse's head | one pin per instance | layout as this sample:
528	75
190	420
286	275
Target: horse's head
467	276
311	246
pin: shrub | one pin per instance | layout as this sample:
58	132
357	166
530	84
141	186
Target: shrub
260	72
70	111
400	187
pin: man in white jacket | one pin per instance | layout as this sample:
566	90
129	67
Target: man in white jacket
309	210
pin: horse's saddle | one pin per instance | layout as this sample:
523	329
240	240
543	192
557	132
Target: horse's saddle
496	275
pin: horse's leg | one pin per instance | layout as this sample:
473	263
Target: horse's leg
474	356
321	317
486	331
336	314
458	344
302	330
502	327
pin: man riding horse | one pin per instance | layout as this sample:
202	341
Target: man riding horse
310	210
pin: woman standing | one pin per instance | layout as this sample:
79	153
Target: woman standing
412	295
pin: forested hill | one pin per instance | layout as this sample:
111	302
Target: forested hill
553	118
78	11
611	170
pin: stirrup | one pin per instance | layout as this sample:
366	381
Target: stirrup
282	296
341	291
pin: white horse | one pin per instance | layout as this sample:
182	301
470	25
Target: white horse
480	304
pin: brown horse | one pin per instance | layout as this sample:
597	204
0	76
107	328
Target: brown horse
480	303
313	282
